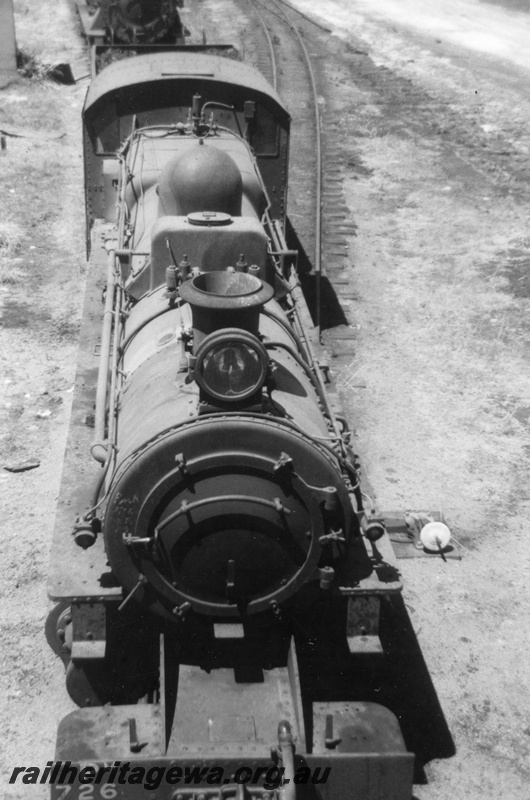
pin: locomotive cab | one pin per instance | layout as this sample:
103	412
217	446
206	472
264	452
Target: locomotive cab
159	90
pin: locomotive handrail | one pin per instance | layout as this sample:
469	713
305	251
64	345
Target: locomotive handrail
270	345
289	329
100	447
121	197
318	378
124	345
277	237
125	172
116	355
96	500
186	507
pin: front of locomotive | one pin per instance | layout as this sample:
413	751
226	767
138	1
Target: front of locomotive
229	511
228	494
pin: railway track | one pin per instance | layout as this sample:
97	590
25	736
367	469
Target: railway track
283	50
276	23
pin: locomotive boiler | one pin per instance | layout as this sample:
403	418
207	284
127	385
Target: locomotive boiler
221	573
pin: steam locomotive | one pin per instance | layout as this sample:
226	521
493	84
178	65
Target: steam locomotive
132	21
221	576
119	29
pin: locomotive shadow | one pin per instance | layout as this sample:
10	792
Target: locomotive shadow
403	683
331	313
398	680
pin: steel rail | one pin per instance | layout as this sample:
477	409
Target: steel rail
274	67
318	209
318	194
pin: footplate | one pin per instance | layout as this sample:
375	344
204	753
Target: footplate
358	752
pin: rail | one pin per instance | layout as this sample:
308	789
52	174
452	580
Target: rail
274	66
285	17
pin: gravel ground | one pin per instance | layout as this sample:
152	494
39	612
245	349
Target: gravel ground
436	172
439	187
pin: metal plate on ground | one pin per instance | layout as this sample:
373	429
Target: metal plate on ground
405	540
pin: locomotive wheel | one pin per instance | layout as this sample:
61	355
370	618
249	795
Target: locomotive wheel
98	682
87	684
56	629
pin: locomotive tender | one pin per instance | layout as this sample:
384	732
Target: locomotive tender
222	575
132	21
118	29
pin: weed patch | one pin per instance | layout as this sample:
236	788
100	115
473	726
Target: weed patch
30	66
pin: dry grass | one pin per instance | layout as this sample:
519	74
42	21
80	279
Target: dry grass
30	107
10	240
30	66
31	169
28	188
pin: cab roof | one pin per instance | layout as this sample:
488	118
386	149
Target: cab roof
180	66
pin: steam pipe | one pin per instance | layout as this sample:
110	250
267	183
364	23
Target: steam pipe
100	446
111	433
271	345
289	329
280	246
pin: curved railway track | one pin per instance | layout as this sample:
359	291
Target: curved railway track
282	50
271	16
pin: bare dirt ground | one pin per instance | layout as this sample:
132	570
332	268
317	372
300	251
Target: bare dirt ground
41	267
437	178
437	131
